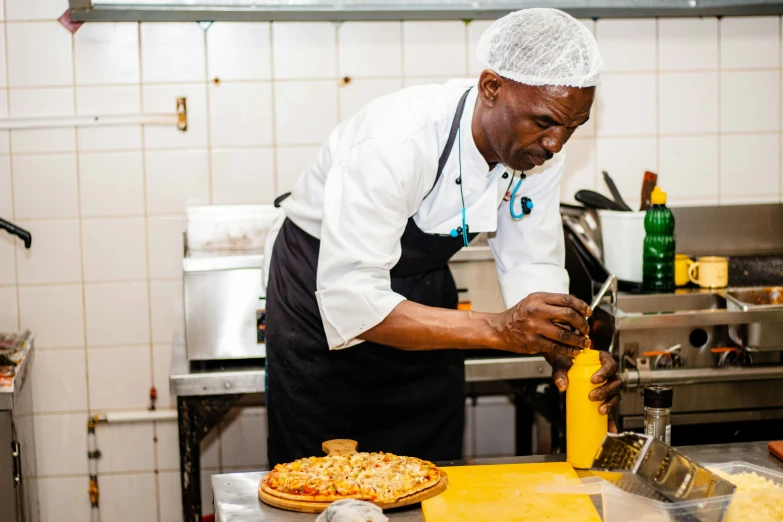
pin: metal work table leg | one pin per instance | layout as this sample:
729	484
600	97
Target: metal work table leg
197	416
530	397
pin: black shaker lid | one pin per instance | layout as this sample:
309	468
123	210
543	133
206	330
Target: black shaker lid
658	397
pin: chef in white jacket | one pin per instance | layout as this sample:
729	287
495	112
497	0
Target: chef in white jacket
363	340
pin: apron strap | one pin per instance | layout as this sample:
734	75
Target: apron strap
444	157
279	199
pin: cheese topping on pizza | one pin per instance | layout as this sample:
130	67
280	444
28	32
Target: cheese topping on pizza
381	477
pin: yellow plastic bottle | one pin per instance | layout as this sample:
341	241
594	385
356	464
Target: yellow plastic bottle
585	427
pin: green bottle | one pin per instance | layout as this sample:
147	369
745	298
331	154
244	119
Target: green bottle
659	245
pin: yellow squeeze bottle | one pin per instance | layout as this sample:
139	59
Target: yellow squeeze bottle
585	427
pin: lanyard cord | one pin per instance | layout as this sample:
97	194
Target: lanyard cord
513	197
461	192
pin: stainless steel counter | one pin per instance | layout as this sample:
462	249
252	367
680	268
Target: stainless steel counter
236	496
185	381
8	398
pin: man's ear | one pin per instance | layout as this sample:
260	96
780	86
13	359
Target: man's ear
489	86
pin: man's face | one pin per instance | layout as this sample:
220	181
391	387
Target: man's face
525	125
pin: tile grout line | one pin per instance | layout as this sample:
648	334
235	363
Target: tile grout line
720	111
657	95
208	116
340	84
14	241
97	348
81	229
467	47
403	64
596	118
109	152
780	109
273	111
148	263
106	282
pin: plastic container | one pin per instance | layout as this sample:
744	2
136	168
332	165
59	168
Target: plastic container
659	245
622	234
619	506
585	427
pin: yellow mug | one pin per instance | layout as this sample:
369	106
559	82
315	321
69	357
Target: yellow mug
710	272
681	265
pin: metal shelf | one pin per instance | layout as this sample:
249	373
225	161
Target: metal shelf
337	11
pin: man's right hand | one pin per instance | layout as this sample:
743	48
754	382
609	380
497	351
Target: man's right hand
540	323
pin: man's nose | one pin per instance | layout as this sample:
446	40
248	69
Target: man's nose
554	140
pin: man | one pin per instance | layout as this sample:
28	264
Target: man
363	339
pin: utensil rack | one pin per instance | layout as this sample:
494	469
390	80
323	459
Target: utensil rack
179	119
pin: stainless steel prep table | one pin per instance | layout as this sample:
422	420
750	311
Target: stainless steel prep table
236	494
205	396
18	490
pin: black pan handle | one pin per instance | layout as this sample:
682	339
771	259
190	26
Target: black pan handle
23	234
592	199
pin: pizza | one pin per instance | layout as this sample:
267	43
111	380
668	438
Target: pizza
375	477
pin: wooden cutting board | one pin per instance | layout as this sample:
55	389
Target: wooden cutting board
507	492
349	447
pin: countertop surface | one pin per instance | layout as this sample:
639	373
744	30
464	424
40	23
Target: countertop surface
236	494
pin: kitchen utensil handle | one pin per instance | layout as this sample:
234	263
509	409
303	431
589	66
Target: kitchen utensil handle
23	234
691	269
615	192
649	181
776	448
595	200
611	283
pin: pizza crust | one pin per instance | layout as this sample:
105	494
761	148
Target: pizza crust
431	480
305	498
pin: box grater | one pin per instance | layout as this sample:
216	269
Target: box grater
644	466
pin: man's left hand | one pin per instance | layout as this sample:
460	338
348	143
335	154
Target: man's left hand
608	393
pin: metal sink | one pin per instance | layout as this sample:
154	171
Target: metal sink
756	336
670	303
694	308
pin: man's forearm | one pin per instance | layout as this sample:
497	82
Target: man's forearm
413	326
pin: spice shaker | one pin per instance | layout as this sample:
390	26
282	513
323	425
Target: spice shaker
658	412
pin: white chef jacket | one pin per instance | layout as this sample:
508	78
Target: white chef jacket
374	172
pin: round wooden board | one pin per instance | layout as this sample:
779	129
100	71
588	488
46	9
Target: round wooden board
317	507
349	447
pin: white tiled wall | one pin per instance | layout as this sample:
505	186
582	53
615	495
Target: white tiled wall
696	100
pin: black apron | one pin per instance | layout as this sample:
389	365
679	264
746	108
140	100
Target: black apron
403	402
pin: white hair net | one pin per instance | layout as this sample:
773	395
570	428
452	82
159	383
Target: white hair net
541	47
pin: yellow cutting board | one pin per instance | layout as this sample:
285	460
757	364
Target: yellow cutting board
507	493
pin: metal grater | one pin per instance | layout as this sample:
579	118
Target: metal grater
631	483
649	468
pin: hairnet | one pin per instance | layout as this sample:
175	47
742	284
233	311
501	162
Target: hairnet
541	47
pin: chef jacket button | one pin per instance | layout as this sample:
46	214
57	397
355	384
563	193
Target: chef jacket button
458	181
505	175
